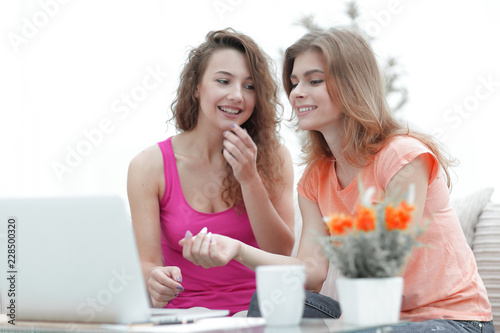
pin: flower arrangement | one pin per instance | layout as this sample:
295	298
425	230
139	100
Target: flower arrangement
376	241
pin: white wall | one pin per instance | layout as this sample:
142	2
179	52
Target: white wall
68	66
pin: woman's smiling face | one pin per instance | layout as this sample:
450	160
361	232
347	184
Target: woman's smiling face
309	97
226	91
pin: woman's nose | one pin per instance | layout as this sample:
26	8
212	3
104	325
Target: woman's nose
235	94
297	92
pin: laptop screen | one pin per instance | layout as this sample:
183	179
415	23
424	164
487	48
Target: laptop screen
76	260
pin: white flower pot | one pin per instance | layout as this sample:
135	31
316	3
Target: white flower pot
370	301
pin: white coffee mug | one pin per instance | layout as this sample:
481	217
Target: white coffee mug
281	293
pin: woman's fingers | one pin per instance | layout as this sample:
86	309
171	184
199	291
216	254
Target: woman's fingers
160	293
233	150
198	241
241	153
239	143
187	244
164	285
201	249
244	139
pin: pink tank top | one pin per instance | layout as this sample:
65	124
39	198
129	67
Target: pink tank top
229	287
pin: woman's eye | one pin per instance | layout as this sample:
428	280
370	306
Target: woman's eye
223	81
249	86
314	82
294	85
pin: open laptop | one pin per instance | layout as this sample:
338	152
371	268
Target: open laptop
76	261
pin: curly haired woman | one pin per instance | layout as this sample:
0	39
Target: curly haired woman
226	171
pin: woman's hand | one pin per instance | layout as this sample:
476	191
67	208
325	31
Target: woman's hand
164	285
241	153
209	250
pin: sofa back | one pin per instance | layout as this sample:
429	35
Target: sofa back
480	221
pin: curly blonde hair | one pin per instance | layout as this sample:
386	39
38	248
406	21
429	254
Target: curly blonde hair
353	78
263	124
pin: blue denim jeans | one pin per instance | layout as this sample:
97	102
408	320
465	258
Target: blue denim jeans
446	326
315	306
321	306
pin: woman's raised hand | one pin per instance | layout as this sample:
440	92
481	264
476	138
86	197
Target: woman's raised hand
241	153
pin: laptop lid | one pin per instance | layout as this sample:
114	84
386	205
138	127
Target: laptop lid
76	260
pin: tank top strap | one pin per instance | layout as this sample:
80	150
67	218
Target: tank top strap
169	170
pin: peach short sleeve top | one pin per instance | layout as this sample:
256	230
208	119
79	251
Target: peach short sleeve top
441	280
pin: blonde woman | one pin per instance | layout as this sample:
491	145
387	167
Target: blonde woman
336	90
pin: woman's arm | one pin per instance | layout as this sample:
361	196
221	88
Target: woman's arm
272	219
144	175
417	174
310	250
209	250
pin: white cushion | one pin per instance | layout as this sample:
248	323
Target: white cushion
469	208
486	248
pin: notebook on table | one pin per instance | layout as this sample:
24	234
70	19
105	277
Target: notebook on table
76	260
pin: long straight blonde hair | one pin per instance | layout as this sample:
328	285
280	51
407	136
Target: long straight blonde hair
353	78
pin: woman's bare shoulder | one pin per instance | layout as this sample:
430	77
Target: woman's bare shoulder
148	160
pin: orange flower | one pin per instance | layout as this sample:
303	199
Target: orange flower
365	219
399	217
338	224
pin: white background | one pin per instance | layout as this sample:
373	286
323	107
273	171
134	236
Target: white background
66	67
